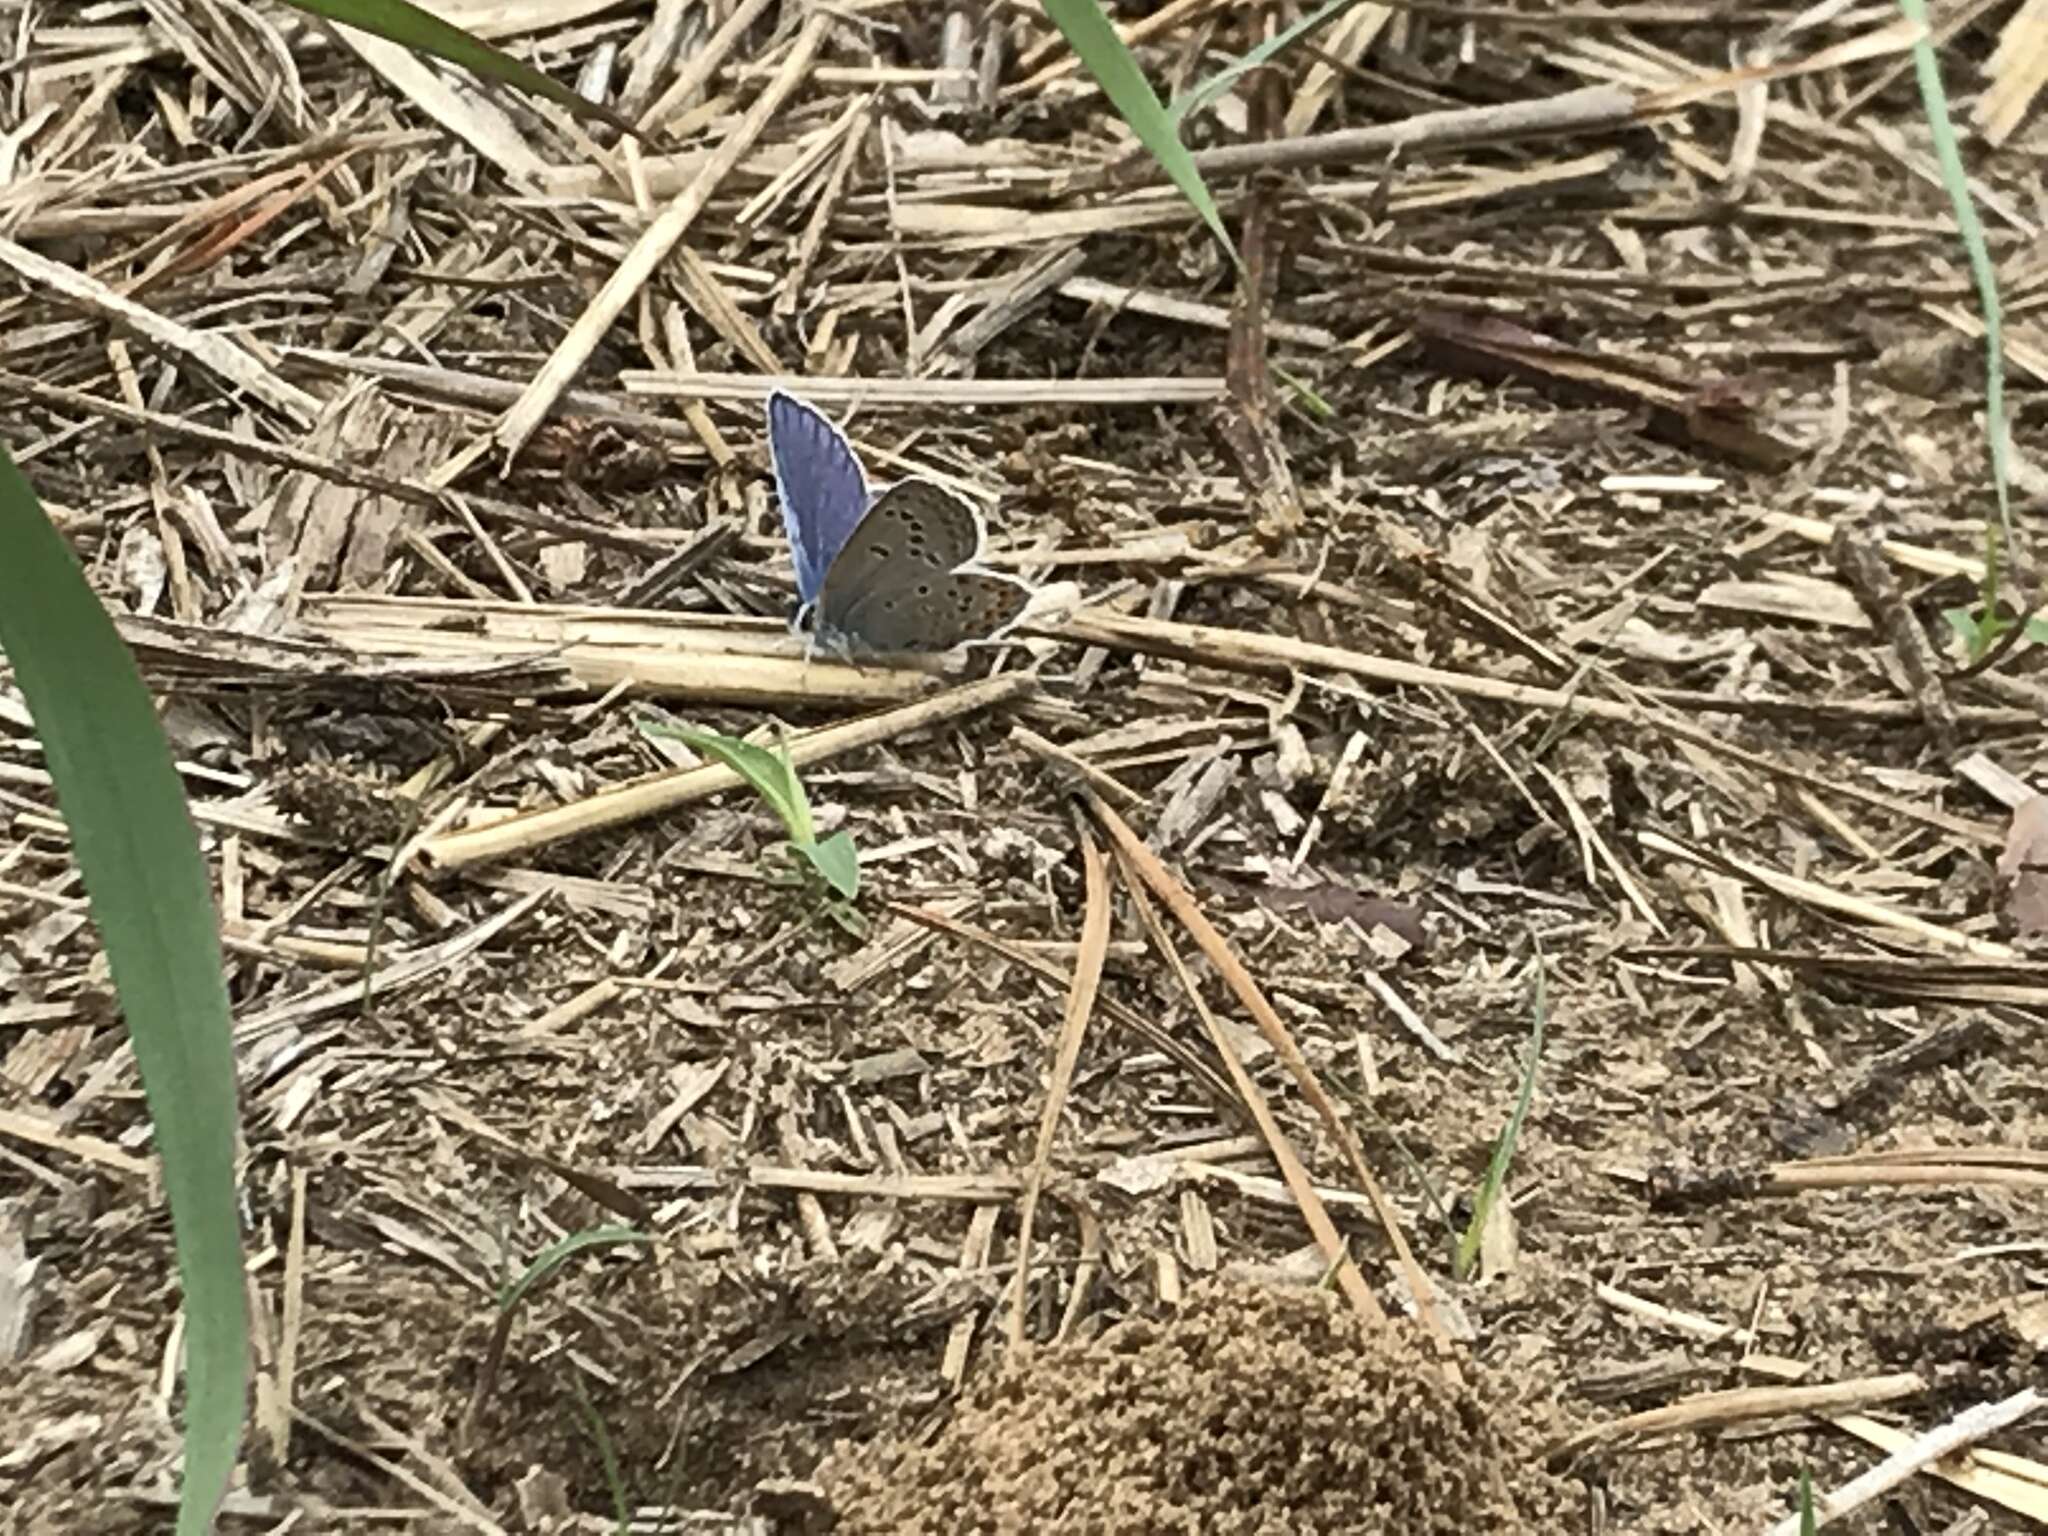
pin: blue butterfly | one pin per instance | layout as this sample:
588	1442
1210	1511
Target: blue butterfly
889	570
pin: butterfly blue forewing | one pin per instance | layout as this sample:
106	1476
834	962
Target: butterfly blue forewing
820	485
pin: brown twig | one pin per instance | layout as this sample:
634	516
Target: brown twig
1580	111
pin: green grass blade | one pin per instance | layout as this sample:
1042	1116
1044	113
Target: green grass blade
769	774
1105	57
1504	1149
137	853
1927	69
800	822
511	1297
555	1255
1193	101
407	25
1305	393
607	1455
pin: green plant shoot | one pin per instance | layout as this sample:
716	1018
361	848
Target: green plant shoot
555	1255
1504	1149
773	777
1095	42
1195	99
513	1296
1927	70
1984	625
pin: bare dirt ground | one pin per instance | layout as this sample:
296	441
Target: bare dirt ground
1545	580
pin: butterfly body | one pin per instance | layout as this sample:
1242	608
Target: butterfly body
893	569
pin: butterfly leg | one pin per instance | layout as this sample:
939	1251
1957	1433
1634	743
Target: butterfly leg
841	647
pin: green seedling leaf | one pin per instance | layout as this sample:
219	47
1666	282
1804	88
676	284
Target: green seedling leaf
847	916
1978	631
1305	394
551	1258
772	776
769	774
1981	626
152	901
1934	101
1327	1281
1089	32
836	862
410	27
1504	1149
544	1267
1190	102
1808	1523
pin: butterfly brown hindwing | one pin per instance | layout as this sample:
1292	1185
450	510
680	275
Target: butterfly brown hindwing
893	586
938	611
985	604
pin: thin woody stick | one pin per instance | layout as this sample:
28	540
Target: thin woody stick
1595	106
1965	1429
1740	1404
1246	650
1145	1028
651	796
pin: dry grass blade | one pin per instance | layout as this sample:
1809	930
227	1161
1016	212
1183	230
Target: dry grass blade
483	125
704	63
1709	1409
2017	1483
326	467
1219	1091
841	394
209	349
1512	122
1179	901
1861	908
2018	69
653	247
1964	1430
1073	1030
37	1131
461	1508
1336	1252
1266	652
661	654
1932	1170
